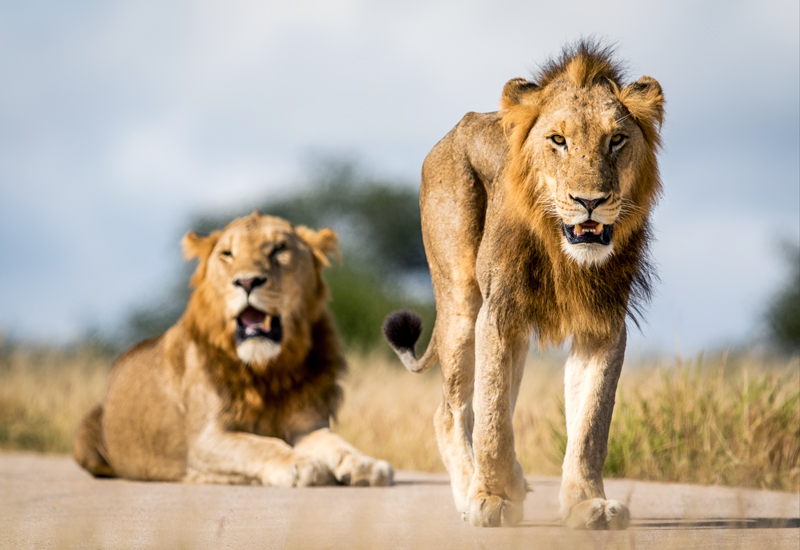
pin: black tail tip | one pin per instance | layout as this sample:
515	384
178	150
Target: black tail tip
402	329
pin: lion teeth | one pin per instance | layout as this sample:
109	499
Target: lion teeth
598	229
579	229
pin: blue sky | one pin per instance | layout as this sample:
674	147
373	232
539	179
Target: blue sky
119	121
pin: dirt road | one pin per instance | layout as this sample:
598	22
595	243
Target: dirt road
48	502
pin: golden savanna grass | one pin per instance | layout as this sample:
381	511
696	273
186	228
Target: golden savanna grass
727	420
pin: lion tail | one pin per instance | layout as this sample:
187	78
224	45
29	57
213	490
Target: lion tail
402	330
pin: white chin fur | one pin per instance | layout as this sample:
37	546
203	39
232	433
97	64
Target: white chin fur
258	351
588	254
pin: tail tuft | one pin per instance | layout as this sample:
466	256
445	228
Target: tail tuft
402	329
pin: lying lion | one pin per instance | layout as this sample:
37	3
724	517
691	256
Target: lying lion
536	221
243	387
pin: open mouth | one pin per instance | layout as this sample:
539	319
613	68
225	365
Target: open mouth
588	232
253	323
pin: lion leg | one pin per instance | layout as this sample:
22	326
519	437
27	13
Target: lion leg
454	419
349	465
86	448
219	456
590	382
497	490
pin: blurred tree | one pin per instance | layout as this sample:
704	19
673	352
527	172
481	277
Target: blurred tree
378	223
783	315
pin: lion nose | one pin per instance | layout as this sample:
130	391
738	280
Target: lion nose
589	204
250	284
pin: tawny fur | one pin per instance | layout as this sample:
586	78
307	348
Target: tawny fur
187	406
495	195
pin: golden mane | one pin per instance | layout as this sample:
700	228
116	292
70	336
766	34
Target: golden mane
310	334
588	301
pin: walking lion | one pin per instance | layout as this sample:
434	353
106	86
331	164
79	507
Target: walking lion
535	221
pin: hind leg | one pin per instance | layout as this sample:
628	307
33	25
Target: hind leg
87	444
453	209
454	418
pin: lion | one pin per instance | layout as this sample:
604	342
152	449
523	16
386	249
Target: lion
535	222
242	388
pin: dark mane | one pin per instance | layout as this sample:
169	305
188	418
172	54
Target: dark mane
585	62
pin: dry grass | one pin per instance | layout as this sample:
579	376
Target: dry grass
724	421
44	394
397	408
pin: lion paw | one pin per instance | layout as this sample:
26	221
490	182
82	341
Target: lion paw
312	472
494	511
598	513
301	472
359	470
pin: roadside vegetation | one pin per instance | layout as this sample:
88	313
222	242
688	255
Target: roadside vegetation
729	420
783	313
723	421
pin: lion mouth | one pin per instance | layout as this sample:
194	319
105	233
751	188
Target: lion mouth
253	323
588	232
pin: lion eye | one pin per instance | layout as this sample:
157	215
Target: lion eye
617	139
227	254
278	249
558	139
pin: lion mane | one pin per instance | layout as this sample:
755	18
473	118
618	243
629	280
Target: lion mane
566	298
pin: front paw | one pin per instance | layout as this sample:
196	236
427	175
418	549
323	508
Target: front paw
493	511
360	470
598	513
298	472
491	508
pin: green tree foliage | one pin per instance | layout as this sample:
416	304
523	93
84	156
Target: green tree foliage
783	315
383	265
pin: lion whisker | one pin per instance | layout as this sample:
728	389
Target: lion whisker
624	118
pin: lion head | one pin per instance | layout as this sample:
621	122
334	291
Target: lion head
259	288
582	152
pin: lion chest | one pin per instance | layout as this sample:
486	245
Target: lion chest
526	290
273	409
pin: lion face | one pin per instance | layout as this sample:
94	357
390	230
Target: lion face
586	149
589	156
261	277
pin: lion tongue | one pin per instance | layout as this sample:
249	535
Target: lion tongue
251	317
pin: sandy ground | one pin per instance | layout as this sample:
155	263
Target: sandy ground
48	502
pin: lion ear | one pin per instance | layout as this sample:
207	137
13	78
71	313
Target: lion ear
198	246
324	243
520	109
517	91
644	99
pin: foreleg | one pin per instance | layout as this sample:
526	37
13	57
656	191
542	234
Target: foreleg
219	456
497	491
590	382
